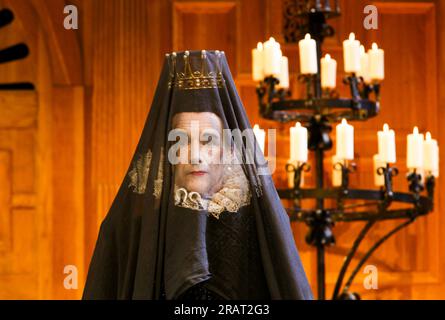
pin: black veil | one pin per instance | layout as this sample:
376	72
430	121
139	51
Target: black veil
175	224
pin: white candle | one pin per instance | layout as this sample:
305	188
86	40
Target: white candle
272	58
414	154
298	143
351	54
379	180
345	140
308	55
364	65
387	144
328	72
258	63
260	135
336	171
284	73
376	63
431	155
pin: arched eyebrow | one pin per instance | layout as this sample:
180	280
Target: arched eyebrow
181	130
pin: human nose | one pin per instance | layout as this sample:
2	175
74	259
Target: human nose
195	152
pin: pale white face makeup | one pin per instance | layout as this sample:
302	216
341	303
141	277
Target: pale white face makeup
204	171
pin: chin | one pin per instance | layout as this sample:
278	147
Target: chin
198	186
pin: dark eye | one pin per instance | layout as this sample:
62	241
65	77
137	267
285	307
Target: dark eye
211	139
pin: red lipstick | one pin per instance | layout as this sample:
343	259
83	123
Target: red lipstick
198	173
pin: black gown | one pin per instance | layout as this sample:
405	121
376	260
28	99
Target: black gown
234	259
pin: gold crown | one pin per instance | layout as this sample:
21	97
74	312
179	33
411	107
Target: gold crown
198	79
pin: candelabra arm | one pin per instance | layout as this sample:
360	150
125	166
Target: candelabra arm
309	80
376	88
283	94
416	187
268	86
261	92
368	88
430	184
352	80
346	169
371	251
297	170
303	167
271	83
349	257
388	172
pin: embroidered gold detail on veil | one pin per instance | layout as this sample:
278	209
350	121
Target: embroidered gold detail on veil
159	180
198	79
234	194
139	173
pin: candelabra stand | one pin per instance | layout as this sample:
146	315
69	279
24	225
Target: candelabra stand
317	112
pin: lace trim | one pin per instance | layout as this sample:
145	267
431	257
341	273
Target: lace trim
139	173
234	194
159	180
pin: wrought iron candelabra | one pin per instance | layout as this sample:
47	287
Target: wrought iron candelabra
317	111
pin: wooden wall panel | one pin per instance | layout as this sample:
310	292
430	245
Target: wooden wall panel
206	25
42	131
18	231
129	40
68	183
5	200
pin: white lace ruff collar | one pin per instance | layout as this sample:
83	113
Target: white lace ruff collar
234	194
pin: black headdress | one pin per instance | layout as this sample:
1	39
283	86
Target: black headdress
176	224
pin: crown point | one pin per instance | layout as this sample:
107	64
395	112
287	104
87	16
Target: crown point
194	77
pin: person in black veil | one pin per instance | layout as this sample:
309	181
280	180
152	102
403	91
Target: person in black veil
197	215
